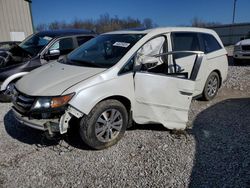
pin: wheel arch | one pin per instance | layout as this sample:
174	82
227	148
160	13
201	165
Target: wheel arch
220	77
11	79
124	100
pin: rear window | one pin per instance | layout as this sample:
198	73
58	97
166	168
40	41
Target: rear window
210	43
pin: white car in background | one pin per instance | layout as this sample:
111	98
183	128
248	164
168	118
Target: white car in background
242	50
147	76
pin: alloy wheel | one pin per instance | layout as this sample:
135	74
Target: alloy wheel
108	125
212	86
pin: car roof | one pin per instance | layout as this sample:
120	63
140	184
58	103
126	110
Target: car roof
65	32
162	30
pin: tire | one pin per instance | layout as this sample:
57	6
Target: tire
97	127
211	87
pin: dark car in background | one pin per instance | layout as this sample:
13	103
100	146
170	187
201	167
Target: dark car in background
8	44
35	51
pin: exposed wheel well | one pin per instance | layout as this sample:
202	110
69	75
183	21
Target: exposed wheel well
125	101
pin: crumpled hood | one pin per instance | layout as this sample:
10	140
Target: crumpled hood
244	42
53	79
12	57
5	57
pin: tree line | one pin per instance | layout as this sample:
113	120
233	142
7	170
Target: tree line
104	23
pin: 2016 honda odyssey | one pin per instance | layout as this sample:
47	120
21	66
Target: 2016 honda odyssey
147	76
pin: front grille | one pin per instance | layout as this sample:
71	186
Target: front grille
246	47
22	103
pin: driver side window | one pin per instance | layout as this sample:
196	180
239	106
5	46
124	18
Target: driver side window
64	45
145	56
55	46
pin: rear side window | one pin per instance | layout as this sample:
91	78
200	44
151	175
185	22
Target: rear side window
185	42
210	43
83	39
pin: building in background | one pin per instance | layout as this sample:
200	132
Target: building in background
15	20
232	33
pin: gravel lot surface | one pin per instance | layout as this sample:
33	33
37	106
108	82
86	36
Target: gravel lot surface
213	152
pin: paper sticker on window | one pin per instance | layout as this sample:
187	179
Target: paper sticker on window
121	44
47	38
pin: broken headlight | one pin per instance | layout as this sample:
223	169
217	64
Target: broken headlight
52	102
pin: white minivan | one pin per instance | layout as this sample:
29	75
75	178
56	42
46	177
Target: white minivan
146	76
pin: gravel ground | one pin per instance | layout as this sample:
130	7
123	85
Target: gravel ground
213	152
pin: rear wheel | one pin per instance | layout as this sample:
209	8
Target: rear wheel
105	125
211	87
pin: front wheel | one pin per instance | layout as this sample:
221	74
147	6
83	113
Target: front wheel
211	87
105	125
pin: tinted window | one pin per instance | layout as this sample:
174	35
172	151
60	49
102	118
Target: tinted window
210	43
65	45
83	39
185	42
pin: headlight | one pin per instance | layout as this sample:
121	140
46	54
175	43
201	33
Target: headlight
60	101
42	103
237	48
52	102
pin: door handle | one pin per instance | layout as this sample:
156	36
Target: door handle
186	93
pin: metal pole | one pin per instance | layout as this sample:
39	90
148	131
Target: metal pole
234	8
231	28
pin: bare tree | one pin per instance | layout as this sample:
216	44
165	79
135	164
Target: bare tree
54	25
148	23
41	27
104	23
198	22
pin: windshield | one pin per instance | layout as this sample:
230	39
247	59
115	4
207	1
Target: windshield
35	43
104	51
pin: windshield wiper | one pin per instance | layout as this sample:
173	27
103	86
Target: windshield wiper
83	63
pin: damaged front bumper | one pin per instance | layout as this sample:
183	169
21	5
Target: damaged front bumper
56	125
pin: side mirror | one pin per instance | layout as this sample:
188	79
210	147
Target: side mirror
52	54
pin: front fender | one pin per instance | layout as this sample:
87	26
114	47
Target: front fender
87	98
12	78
